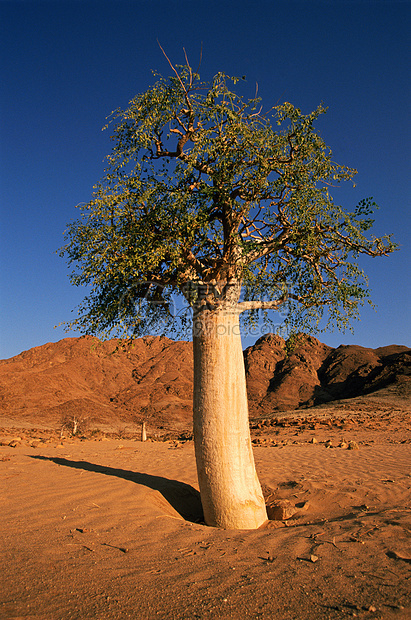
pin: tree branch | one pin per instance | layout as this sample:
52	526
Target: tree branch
264	305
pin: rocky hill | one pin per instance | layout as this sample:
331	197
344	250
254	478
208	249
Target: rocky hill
152	381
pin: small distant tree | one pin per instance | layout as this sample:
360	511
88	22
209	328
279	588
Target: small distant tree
73	425
207	196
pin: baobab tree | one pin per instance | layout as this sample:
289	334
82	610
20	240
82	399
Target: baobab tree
208	196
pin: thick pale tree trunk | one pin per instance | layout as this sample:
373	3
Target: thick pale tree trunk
230	490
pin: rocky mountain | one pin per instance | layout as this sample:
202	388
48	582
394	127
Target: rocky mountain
152	381
314	373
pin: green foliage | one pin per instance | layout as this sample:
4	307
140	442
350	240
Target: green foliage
206	196
292	342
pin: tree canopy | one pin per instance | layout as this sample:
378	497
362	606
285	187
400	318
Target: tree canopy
207	194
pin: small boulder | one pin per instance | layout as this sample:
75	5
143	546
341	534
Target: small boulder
281	510
15	442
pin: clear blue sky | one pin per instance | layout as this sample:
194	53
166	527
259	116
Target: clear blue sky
66	65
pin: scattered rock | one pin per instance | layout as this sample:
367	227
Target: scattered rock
303	506
280	510
310	558
264	442
399	556
176	444
353	445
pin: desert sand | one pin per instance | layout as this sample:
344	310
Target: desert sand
108	527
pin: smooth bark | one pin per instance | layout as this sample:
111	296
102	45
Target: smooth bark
230	490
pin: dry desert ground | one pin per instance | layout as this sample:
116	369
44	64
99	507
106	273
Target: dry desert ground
109	527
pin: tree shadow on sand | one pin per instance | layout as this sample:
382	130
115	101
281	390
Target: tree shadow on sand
181	496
